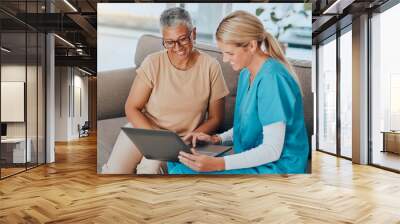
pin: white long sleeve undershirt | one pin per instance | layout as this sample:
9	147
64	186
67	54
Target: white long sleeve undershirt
268	151
227	137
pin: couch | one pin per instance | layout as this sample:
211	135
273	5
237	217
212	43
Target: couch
113	88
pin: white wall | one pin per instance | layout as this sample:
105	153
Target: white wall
68	83
61	103
33	126
12	101
17	73
80	83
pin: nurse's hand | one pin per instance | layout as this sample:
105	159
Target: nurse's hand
200	136
201	163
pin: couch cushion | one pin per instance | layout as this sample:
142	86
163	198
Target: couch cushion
107	133
146	45
303	71
112	90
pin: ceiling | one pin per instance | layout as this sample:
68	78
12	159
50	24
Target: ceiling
76	22
331	15
72	20
76	25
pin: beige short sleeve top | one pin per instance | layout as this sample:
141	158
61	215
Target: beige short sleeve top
179	99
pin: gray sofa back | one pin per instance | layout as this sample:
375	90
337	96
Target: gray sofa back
113	87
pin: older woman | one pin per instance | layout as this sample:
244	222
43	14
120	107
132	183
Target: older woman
174	89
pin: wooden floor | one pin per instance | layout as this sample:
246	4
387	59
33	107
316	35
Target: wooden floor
387	159
70	191
10	171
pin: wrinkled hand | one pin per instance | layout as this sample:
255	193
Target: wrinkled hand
200	136
201	163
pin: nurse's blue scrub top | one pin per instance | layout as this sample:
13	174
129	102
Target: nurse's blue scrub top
274	96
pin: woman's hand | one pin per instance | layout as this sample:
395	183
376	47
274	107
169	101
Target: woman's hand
200	136
201	163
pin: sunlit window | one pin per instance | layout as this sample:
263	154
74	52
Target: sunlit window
385	85
346	94
120	25
327	97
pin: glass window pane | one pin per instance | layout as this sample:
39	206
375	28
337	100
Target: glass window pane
327	97
385	114
13	87
346	94
31	97
206	18
41	98
276	16
31	87
119	27
22	89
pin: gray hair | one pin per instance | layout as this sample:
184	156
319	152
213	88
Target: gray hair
174	17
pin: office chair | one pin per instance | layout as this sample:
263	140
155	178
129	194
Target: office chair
84	130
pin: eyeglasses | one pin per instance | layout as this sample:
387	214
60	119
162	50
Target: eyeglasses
181	41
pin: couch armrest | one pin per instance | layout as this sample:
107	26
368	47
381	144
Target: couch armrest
112	90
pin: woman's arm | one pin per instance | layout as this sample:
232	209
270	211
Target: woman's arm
137	99
216	111
226	137
270	149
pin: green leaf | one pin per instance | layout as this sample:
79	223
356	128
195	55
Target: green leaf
287	27
259	11
274	18
307	6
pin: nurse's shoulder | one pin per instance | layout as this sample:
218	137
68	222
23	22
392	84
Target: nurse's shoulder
275	67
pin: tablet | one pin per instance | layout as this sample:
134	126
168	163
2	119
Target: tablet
165	145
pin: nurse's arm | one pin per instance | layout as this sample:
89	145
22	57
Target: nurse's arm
201	163
226	137
268	151
216	110
137	99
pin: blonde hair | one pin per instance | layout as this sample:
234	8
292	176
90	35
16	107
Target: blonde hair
240	27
